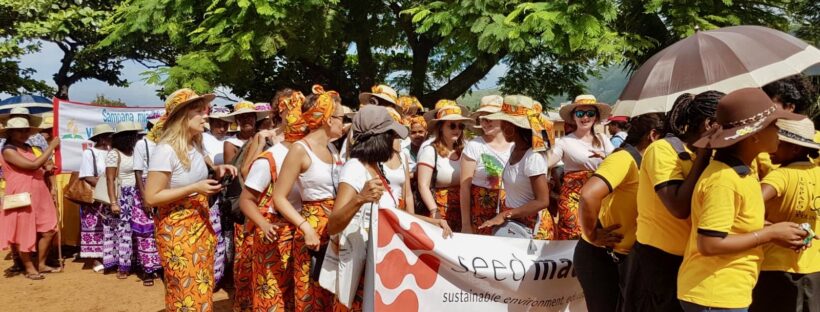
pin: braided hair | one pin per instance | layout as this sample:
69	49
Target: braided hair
690	111
794	90
641	126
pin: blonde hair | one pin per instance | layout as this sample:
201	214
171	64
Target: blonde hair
176	133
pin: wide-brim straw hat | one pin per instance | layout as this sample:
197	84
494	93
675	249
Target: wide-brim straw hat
182	98
447	113
127	126
47	121
604	110
244	107
17	123
741	114
383	92
100	130
21	111
348	112
797	132
489	104
515	110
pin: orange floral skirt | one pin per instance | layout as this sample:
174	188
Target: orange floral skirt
272	280
242	269
309	296
448	204
567	227
484	203
186	244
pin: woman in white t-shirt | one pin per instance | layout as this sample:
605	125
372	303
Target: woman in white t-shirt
482	163
438	166
214	139
397	170
581	151
126	217
312	165
525	175
245	116
178	185
91	222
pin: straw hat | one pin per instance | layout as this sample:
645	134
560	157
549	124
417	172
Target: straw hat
800	132
514	110
218	112
126	126
489	104
245	107
21	111
447	113
17	123
741	114
383	92
47	121
181	98
565	112
348	112
101	129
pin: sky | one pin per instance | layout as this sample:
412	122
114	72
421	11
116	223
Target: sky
138	93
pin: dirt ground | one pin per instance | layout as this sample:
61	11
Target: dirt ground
80	289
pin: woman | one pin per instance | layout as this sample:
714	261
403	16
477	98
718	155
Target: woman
272	235
789	192
418	134
178	185
397	171
312	165
438	165
91	220
722	259
582	151
363	183
245	115
30	228
481	167
126	217
525	173
214	139
608	213
668	173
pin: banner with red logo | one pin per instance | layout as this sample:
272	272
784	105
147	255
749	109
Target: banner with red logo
74	123
416	269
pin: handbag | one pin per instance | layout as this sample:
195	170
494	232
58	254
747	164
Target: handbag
18	200
101	189
78	190
511	228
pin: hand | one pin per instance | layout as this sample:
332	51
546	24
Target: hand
372	191
269	230
207	187
607	237
495	221
597	154
115	209
312	240
54	143
263	136
785	234
223	170
445	228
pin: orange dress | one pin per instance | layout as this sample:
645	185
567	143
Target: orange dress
20	226
448	204
310	296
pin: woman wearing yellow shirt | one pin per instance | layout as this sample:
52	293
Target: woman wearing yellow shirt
722	259
791	193
608	213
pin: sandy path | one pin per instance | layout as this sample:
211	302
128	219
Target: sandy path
79	289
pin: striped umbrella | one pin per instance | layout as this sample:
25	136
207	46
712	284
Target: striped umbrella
723	59
36	104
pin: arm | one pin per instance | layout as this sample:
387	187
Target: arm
407	191
295	163
677	198
345	207
256	147
467	171
13	157
157	192
425	174
110	177
541	201
592	194
784	234
555	154
229	152
769	192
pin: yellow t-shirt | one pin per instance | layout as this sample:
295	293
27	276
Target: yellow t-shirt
798	200
620	172
817	140
727	201
656	226
763	165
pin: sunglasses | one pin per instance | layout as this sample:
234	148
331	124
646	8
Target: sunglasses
456	126
589	113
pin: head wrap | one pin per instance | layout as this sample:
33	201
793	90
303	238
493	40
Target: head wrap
536	123
322	110
417	120
443	103
292	107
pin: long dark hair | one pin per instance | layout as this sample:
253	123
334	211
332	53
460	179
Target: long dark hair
377	148
690	111
124	141
641	126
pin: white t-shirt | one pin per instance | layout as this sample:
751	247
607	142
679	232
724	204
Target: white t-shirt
356	175
396	178
449	171
125	165
165	160
86	166
576	153
259	175
484	157
517	178
142	155
214	147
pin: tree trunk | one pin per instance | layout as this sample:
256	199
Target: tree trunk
418	74
462	82
62	91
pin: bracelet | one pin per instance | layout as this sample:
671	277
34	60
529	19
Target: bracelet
300	224
757	238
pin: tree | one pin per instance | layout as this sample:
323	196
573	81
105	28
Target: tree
104	101
75	27
14	79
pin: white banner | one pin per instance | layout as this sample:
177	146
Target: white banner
418	270
75	122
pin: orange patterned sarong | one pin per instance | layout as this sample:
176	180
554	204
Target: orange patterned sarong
309	295
484	203
567	227
448	203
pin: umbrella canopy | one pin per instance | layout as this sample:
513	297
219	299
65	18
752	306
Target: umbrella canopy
723	59
36	104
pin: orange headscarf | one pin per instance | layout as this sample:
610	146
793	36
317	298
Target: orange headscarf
292	106
417	120
321	111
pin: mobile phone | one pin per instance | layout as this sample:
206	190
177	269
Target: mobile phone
811	235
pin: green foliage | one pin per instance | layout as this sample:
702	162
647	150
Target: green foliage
104	101
16	80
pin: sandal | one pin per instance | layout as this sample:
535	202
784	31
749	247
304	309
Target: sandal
52	270
122	275
148	281
34	276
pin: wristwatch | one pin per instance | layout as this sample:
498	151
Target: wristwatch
508	215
